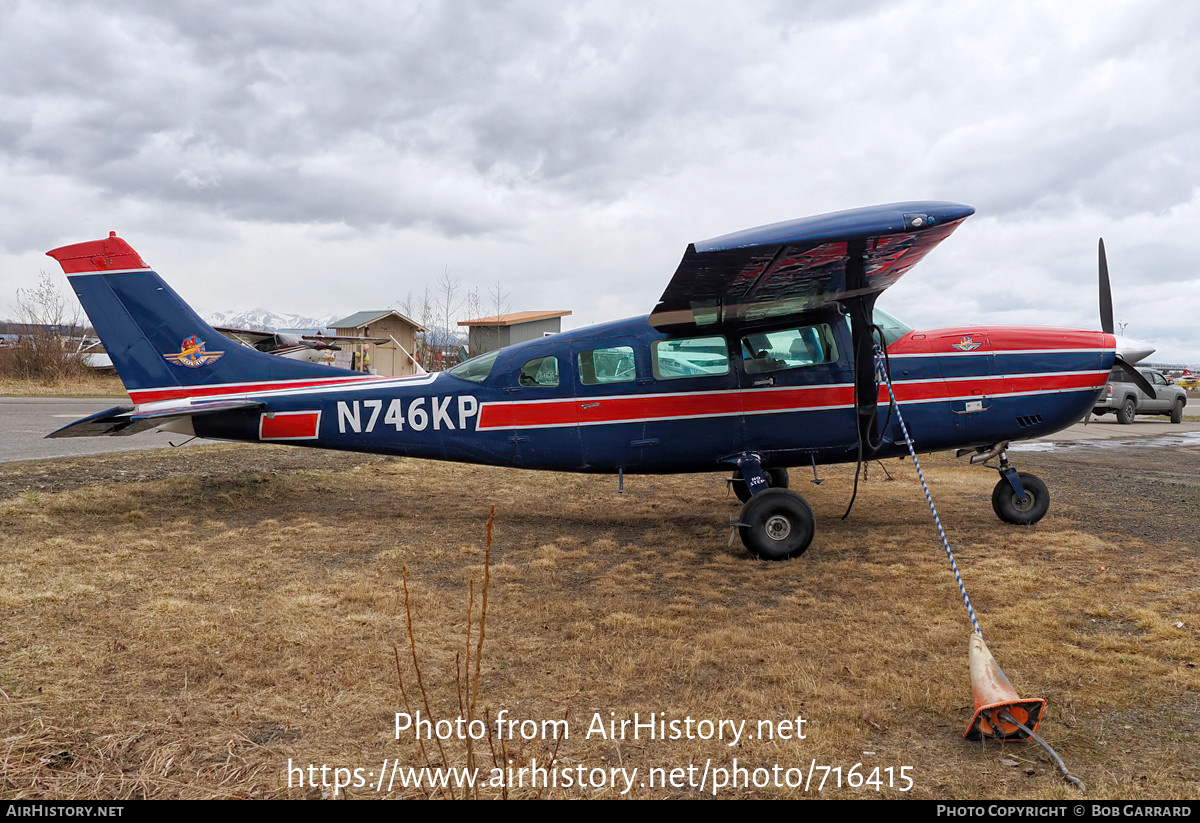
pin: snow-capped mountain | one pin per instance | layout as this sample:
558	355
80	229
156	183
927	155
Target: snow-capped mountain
263	320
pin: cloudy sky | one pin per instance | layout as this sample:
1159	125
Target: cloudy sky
318	158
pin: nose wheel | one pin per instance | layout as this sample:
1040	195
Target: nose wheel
1019	498
1017	508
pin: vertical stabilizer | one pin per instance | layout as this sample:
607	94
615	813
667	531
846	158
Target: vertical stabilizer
158	344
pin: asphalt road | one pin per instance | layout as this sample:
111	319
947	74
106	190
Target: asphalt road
25	422
1144	430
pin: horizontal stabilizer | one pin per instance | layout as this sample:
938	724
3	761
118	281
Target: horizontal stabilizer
126	420
788	269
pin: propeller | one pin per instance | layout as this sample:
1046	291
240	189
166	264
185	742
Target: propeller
1106	311
1106	324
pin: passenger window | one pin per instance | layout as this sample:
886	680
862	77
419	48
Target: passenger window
601	366
540	372
692	357
789	348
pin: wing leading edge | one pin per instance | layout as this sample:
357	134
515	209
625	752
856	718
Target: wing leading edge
790	268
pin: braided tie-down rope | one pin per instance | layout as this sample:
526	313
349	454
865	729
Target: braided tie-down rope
881	375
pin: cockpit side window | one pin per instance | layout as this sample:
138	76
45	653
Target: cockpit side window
540	372
789	348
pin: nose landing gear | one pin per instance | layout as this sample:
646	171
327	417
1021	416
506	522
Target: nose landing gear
1019	498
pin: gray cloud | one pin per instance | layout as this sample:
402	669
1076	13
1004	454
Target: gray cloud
543	127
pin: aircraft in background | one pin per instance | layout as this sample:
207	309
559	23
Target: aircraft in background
1188	379
761	355
316	348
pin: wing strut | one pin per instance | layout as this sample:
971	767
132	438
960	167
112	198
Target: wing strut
861	307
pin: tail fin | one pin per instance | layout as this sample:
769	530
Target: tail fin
161	348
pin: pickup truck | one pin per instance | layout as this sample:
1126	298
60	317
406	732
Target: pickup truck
1122	397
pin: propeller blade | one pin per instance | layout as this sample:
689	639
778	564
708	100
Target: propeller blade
1106	311
1135	376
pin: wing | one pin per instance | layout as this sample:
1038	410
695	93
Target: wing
247	337
790	268
342	337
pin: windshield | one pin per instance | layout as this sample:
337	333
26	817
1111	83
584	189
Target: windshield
477	368
892	328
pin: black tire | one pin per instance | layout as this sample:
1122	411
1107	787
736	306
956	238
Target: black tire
1127	411
1177	411
776	479
1026	512
778	525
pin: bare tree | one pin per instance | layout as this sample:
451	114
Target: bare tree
448	306
50	334
499	298
489	336
438	348
420	308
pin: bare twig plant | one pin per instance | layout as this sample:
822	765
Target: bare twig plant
467	692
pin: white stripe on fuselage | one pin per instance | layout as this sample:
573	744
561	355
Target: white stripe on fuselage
109	271
981	352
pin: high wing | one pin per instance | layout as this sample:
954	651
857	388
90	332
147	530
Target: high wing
790	268
249	337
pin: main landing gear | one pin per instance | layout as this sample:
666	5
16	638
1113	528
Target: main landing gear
1019	498
776	523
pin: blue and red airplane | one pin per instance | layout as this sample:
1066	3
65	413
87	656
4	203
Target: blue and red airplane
761	355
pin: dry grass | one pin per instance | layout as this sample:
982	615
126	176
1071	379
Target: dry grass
88	384
186	637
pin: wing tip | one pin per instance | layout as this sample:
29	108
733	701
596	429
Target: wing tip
908	216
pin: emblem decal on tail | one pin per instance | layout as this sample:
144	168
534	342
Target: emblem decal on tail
192	354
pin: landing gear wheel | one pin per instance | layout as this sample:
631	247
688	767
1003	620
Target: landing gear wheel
776	479
1126	412
1011	509
778	524
1177	411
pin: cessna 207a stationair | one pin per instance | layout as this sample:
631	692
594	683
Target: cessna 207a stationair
761	355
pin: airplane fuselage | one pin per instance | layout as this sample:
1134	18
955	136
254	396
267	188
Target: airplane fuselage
606	397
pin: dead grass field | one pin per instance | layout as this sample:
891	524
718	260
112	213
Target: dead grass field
181	624
87	385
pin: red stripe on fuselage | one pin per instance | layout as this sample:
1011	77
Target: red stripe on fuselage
585	411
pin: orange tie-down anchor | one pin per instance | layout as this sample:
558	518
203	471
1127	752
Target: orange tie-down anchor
997	703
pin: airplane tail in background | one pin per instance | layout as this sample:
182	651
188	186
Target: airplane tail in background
160	347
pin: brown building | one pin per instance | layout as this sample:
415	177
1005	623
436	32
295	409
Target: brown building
389	358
